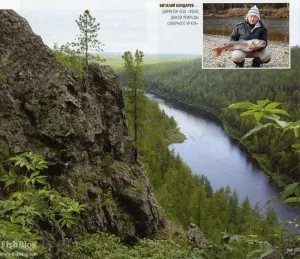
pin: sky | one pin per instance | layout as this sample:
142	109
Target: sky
126	25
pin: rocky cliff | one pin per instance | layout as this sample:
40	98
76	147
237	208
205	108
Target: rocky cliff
79	127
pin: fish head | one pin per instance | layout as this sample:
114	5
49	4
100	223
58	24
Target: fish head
258	43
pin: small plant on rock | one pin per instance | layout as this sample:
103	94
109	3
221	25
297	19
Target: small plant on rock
30	199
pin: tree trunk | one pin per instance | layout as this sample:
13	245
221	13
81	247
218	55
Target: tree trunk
86	58
86	47
135	123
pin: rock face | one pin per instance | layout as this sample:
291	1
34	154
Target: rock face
195	236
80	129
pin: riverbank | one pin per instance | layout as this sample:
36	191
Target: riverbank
209	113
265	12
280	54
175	136
261	160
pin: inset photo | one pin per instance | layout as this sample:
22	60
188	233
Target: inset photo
246	35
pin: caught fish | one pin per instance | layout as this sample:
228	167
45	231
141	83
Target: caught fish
247	46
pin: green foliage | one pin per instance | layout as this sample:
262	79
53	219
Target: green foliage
262	109
33	164
134	81
212	90
193	199
3	78
116	61
75	56
252	246
30	160
103	245
291	126
108	199
13	238
140	190
44	112
134	70
291	193
233	247
266	110
69	59
106	164
87	39
296	148
30	200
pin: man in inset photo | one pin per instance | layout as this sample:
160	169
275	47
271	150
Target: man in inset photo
251	28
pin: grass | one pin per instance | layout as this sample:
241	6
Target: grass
117	62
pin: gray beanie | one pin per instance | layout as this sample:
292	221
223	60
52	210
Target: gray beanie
253	11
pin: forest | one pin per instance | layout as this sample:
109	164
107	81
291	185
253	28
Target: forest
193	199
214	90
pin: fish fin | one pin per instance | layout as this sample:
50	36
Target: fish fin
218	51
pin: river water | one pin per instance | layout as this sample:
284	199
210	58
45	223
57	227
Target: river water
210	151
278	29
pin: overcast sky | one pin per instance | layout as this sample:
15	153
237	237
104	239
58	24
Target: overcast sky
125	24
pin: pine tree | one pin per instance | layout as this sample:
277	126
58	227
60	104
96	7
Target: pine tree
246	217
134	80
87	39
234	208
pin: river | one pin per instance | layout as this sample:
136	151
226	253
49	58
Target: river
210	151
278	29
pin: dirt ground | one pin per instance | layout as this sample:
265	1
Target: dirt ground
280	54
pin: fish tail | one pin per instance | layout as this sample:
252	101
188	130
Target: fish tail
218	51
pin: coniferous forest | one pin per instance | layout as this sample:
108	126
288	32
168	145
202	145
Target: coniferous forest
187	197
214	90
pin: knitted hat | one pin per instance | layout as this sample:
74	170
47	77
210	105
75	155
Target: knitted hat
253	11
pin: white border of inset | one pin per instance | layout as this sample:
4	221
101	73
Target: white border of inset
246	2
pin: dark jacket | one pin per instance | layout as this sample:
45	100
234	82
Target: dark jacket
242	31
